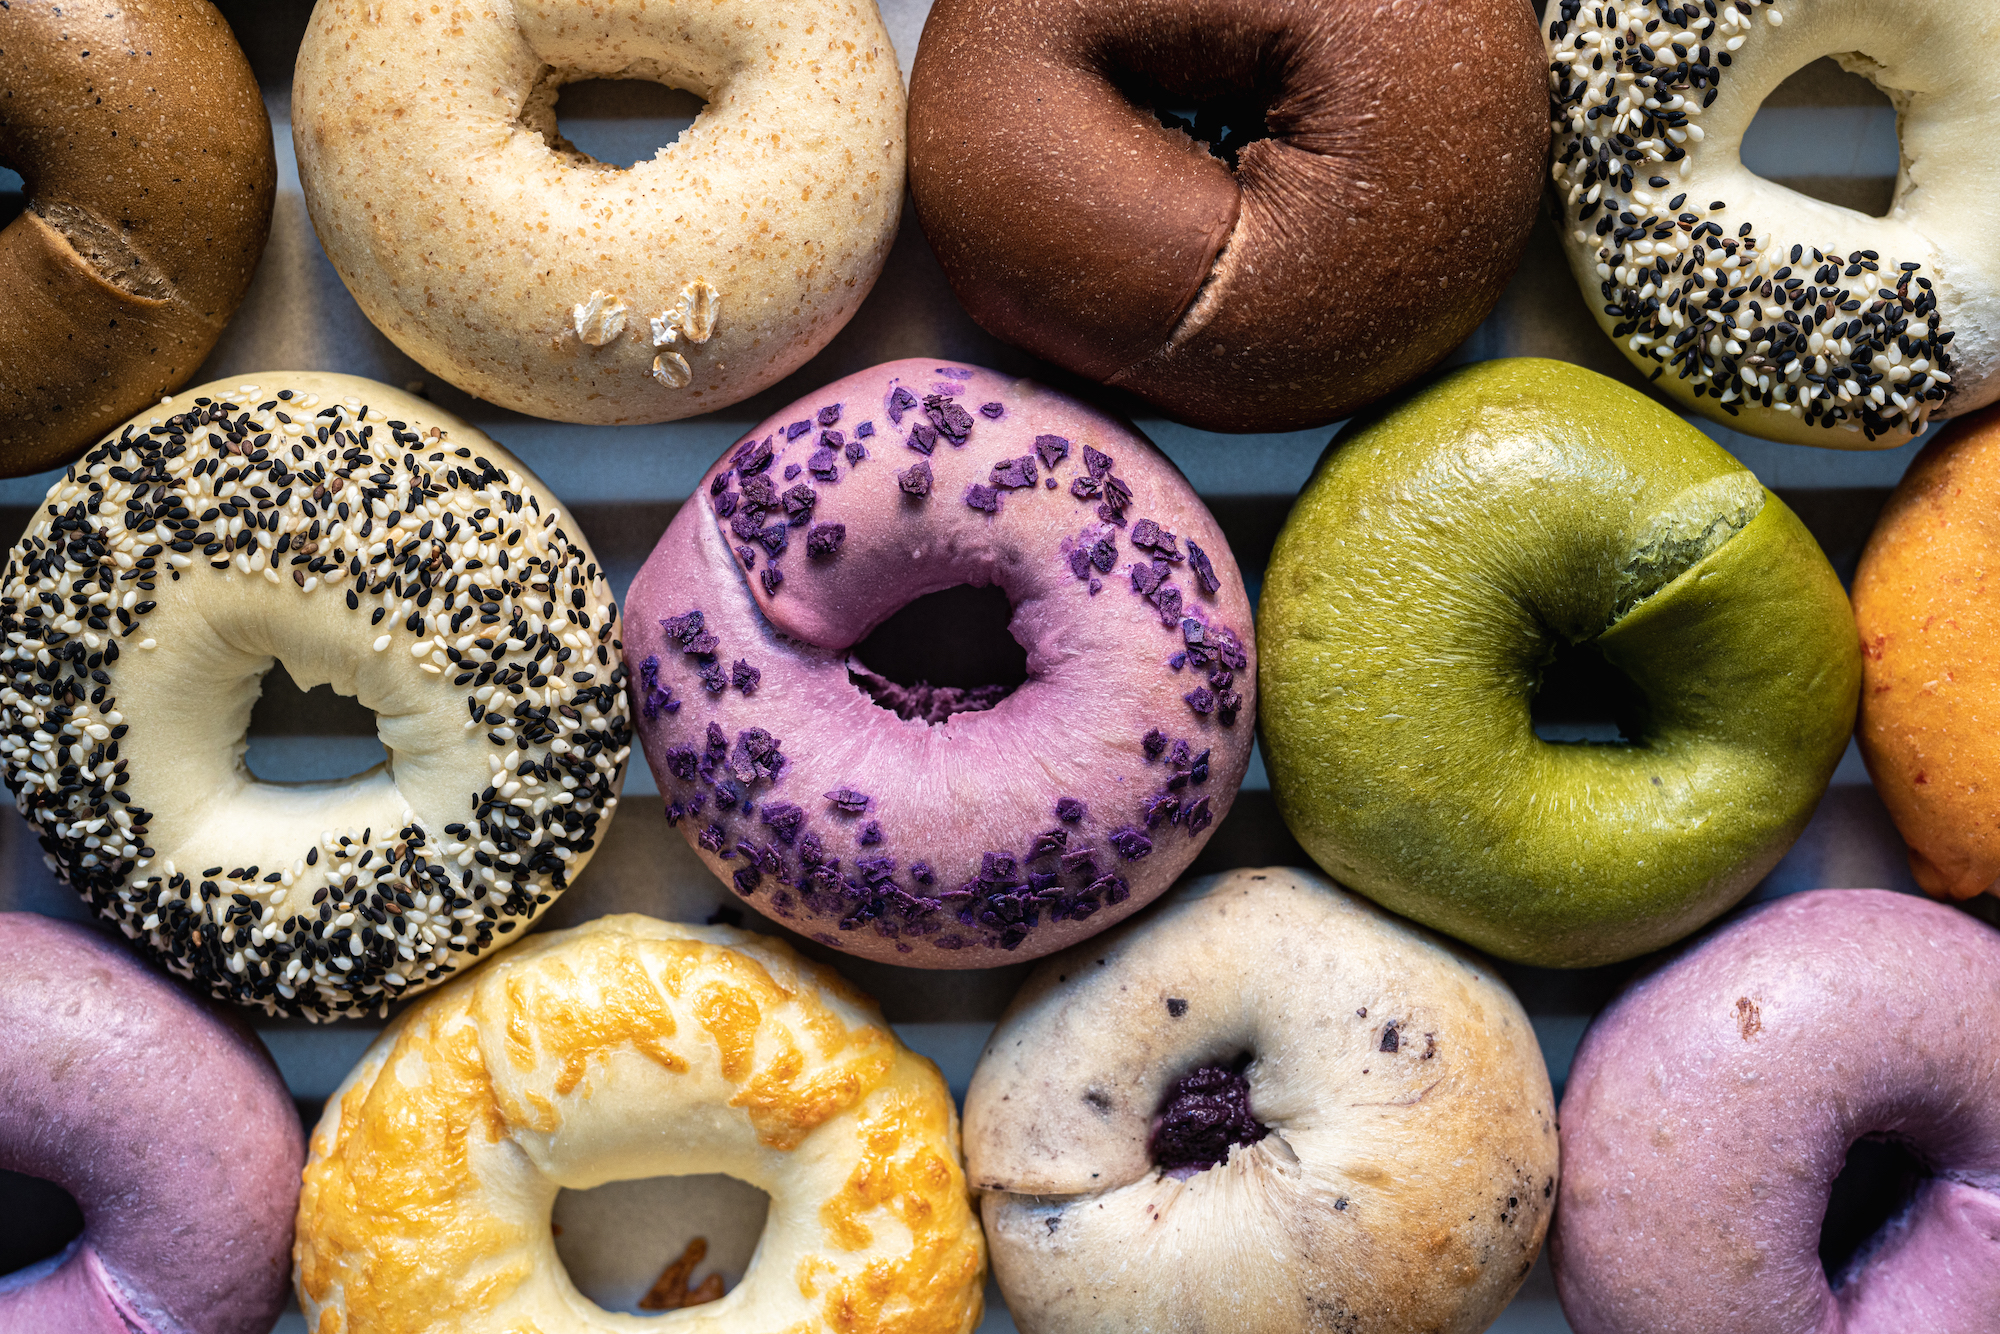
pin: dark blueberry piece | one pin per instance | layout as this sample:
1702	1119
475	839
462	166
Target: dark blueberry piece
1097	464
996	867
824	540
1178	661
1014	474
864	431
871	834
753	458
1176	1007
828	416
1049	843
823	465
1069	810
760	493
725	504
798	428
745	677
772	578
923	438
915	480
799	502
784	819
1053	449
982	498
1096	585
1192	631
1228	648
1155	743
1085	488
992	411
747	879
849	800
901	401
1204	572
1198	768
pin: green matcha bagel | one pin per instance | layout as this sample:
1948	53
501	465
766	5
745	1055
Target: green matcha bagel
1423	582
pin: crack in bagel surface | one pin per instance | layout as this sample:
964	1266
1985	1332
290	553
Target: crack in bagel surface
322	499
1841	341
835	856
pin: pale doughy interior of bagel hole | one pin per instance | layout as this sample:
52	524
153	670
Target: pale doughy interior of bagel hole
38	1221
1584	699
947	652
1875	1187
612	122
617	1240
1828	134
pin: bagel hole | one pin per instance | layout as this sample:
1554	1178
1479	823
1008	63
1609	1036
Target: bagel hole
38	1221
309	736
1876	1186
622	122
945	653
619	1241
13	196
1582	699
1829	135
1227	121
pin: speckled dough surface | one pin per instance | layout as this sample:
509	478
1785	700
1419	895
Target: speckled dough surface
922	827
165	1121
623	1049
1767	310
146	154
1711	1106
368	541
537	278
1387	1160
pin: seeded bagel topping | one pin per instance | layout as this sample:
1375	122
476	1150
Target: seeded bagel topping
415	535
1752	320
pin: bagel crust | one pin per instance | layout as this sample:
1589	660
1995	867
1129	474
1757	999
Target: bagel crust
146	152
622	1049
521	270
1766	310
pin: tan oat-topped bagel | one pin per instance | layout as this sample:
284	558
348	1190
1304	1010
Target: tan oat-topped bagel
536	277
622	1049
143	142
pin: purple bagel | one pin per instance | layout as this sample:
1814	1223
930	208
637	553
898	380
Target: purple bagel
167	1123
1712	1105
936	828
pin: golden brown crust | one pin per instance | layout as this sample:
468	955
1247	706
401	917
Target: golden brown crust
430	1173
146	151
1925	606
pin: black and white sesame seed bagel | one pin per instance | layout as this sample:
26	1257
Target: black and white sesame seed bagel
366	540
1772	312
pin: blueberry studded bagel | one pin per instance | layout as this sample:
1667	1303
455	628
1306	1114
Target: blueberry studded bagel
369	541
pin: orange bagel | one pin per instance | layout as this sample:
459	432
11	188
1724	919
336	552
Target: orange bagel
1927	603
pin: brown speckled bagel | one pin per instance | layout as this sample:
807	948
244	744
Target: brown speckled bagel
143	142
1338	259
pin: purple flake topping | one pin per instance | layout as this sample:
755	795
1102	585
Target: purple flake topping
901	401
954	372
719	483
792	470
713	679
748	555
915	480
1097	464
1201	699
1069	810
1204	572
1155	743
1228	648
864	431
871	834
711	838
1104	554
1227	705
687	631
828	416
1015	474
1150	536
1160	808
745	677
774	539
1106	514
849	800
799	502
752	458
785	819
1085	488
983	498
810	851
1079	563
1168	602
832	439
992	411
1147	578
951	420
746	880
1049	482
756	756
760	493
681	761
797	429
1130	843
746	524
1195	816
1048	844
659	699
1117	495
1053	449
725	504
824	540
855	451
1112	889
921	872
823	465
1178	661
923	438
772	578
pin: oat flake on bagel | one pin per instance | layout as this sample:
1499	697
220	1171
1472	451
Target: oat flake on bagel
478	619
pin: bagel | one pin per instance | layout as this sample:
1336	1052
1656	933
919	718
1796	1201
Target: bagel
1418	591
1265	1105
1759	307
167	1123
143	143
1312	271
353	532
1711	1106
622	1049
943	828
521	270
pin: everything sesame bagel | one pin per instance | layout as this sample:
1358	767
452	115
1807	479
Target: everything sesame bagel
1766	310
623	1049
367	540
142	140
526	272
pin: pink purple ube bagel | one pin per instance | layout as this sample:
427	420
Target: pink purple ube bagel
926	827
1712	1105
166	1122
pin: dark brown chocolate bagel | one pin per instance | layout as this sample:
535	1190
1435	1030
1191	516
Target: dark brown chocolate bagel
1340	258
143	142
